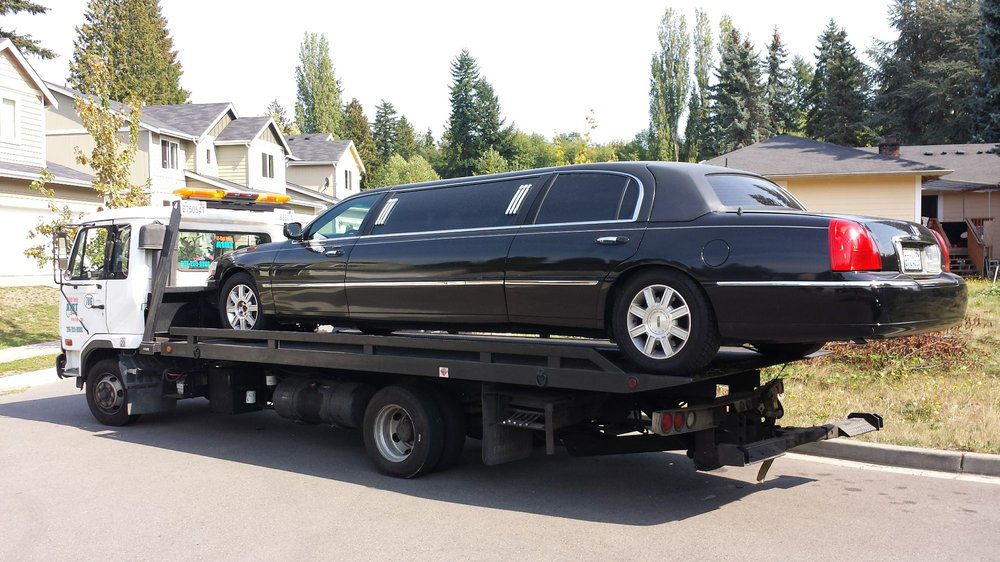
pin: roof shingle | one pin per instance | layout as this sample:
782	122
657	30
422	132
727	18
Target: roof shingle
972	163
319	147
243	129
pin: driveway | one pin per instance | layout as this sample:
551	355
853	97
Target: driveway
192	485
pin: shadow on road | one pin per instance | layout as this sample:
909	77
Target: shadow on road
641	489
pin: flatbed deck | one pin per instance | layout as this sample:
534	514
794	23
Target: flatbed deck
573	364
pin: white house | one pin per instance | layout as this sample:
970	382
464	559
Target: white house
332	167
23	102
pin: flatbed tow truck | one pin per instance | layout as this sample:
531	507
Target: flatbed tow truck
417	396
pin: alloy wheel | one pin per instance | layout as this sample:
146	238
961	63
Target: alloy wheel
659	321
242	308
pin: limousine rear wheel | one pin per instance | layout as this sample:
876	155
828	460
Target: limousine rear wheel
663	323
239	304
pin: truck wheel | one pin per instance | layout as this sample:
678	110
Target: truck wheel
239	304
453	416
404	431
790	350
663	323
106	394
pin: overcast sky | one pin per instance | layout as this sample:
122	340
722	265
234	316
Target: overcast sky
550	62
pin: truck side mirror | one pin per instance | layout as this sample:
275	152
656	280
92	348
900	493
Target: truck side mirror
293	231
151	236
60	249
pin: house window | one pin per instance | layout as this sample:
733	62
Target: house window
8	121
208	155
267	165
347	180
168	154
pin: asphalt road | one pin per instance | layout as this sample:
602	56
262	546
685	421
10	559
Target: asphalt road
192	485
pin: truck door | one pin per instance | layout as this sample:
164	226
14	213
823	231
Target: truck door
85	289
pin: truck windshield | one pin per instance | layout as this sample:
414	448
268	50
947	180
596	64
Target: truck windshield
197	249
750	192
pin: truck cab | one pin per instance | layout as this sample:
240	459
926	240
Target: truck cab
106	279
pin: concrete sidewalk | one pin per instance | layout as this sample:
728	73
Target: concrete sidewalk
28	380
25	351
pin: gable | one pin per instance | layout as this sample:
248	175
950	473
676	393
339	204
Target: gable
223	122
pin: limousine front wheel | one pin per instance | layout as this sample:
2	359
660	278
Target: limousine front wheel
239	304
663	323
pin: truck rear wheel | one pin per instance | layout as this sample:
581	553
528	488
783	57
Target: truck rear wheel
107	395
404	431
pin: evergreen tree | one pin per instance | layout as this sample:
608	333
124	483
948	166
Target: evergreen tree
488	123
406	138
778	89
838	102
384	131
285	125
475	124
801	81
740	111
357	129
669	84
712	141
131	37
697	120
317	103
926	79
988	100
24	42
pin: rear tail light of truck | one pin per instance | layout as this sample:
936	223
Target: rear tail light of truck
683	420
852	247
945	254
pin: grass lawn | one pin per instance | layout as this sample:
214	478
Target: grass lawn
28	315
936	390
27	365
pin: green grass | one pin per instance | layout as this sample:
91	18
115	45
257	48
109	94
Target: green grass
27	365
936	390
28	315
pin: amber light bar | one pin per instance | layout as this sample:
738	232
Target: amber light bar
219	194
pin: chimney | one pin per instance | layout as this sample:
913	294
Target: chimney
889	146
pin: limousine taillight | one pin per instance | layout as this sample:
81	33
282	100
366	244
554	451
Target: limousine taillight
852	247
945	254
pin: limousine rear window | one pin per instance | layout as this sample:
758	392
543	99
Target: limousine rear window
482	205
588	198
749	192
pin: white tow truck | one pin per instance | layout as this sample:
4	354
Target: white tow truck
139	334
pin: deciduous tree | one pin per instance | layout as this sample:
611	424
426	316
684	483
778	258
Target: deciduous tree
669	84
285	125
317	99
696	127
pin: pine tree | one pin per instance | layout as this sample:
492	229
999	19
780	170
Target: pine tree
460	155
740	111
406	138
838	103
488	122
285	125
988	99
926	79
24	42
357	128
801	81
668	84
384	131
778	89
697	121
317	102
131	37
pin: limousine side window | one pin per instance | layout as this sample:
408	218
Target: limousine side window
485	205
343	220
588	198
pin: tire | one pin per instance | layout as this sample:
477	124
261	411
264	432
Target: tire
404	431
690	333
240	306
453	416
790	350
107	396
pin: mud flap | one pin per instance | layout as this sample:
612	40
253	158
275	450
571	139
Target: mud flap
502	443
144	386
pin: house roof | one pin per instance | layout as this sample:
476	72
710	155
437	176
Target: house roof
787	155
194	119
60	174
974	165
246	129
321	148
6	45
309	193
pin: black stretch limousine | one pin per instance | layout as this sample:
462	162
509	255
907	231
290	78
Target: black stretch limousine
668	260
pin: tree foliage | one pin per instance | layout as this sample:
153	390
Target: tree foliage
696	128
475	124
384	130
318	97
406	138
669	84
838	96
285	125
739	110
398	171
987	124
130	37
778	88
24	42
801	80
926	79
357	129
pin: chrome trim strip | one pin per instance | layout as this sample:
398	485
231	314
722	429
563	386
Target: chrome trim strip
384	214
294	285
515	201
471	283
468	283
551	282
835	284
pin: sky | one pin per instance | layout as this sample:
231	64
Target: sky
550	62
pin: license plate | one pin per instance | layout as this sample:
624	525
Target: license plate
191	207
911	259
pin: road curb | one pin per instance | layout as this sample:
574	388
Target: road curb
907	457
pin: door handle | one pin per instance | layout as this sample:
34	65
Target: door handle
334	253
612	240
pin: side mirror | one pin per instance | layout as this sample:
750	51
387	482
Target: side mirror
60	255
293	231
151	236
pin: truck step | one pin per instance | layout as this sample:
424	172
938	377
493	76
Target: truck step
523	418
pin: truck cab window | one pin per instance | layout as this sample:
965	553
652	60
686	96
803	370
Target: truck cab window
118	263
197	249
87	261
